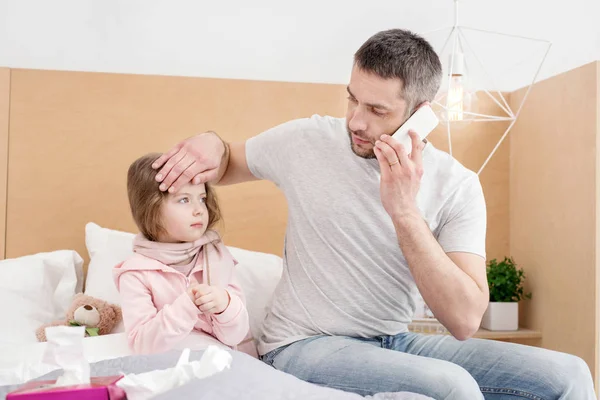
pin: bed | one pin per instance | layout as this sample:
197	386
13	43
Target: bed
31	302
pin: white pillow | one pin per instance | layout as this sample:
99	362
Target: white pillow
107	248
257	272
35	290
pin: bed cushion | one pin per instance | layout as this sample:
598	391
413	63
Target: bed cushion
35	290
258	274
106	248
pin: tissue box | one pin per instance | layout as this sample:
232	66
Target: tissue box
99	388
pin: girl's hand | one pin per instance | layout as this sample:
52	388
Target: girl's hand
211	299
192	293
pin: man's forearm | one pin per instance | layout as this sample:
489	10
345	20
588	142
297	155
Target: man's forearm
452	295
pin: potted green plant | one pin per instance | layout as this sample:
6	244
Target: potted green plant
505	281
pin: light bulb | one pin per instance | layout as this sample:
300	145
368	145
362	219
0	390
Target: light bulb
454	100
457	98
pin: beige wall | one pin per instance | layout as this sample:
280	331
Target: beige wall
553	164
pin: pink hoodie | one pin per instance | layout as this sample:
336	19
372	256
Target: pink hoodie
158	313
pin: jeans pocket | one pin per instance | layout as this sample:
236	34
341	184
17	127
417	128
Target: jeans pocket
269	358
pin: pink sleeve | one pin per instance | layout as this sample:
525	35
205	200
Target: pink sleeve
232	325
149	330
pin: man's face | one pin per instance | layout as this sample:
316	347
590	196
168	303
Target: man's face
375	107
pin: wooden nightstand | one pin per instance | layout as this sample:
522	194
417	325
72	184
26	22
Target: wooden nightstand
522	335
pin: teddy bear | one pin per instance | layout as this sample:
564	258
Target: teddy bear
98	316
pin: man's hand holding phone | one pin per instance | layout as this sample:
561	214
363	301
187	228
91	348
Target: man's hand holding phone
401	163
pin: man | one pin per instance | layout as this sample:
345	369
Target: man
370	224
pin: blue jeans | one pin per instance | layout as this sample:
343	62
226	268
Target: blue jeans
438	366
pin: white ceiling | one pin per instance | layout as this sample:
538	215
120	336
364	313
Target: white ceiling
306	41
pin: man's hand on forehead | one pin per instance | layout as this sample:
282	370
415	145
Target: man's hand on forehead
196	159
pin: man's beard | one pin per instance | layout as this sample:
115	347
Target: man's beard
368	154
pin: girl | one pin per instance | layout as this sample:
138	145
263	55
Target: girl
181	276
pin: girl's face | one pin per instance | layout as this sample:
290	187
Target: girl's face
184	214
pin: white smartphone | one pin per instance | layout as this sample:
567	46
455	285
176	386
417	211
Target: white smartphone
423	121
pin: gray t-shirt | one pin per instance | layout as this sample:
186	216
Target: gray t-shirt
344	273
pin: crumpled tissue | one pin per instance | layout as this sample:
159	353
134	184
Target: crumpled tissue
65	351
149	384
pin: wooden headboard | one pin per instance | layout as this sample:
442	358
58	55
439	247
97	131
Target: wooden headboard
72	135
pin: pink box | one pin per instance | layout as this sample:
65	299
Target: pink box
99	388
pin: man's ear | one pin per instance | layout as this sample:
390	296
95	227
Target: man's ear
425	103
409	114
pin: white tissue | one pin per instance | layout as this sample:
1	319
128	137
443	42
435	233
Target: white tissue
146	385
65	351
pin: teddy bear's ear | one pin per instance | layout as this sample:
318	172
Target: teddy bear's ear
118	312
110	316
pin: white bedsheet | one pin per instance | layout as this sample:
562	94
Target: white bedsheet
19	364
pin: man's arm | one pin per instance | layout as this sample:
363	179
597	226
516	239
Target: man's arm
207	158
234	166
203	158
453	285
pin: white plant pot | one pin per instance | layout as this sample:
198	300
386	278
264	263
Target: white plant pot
501	317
